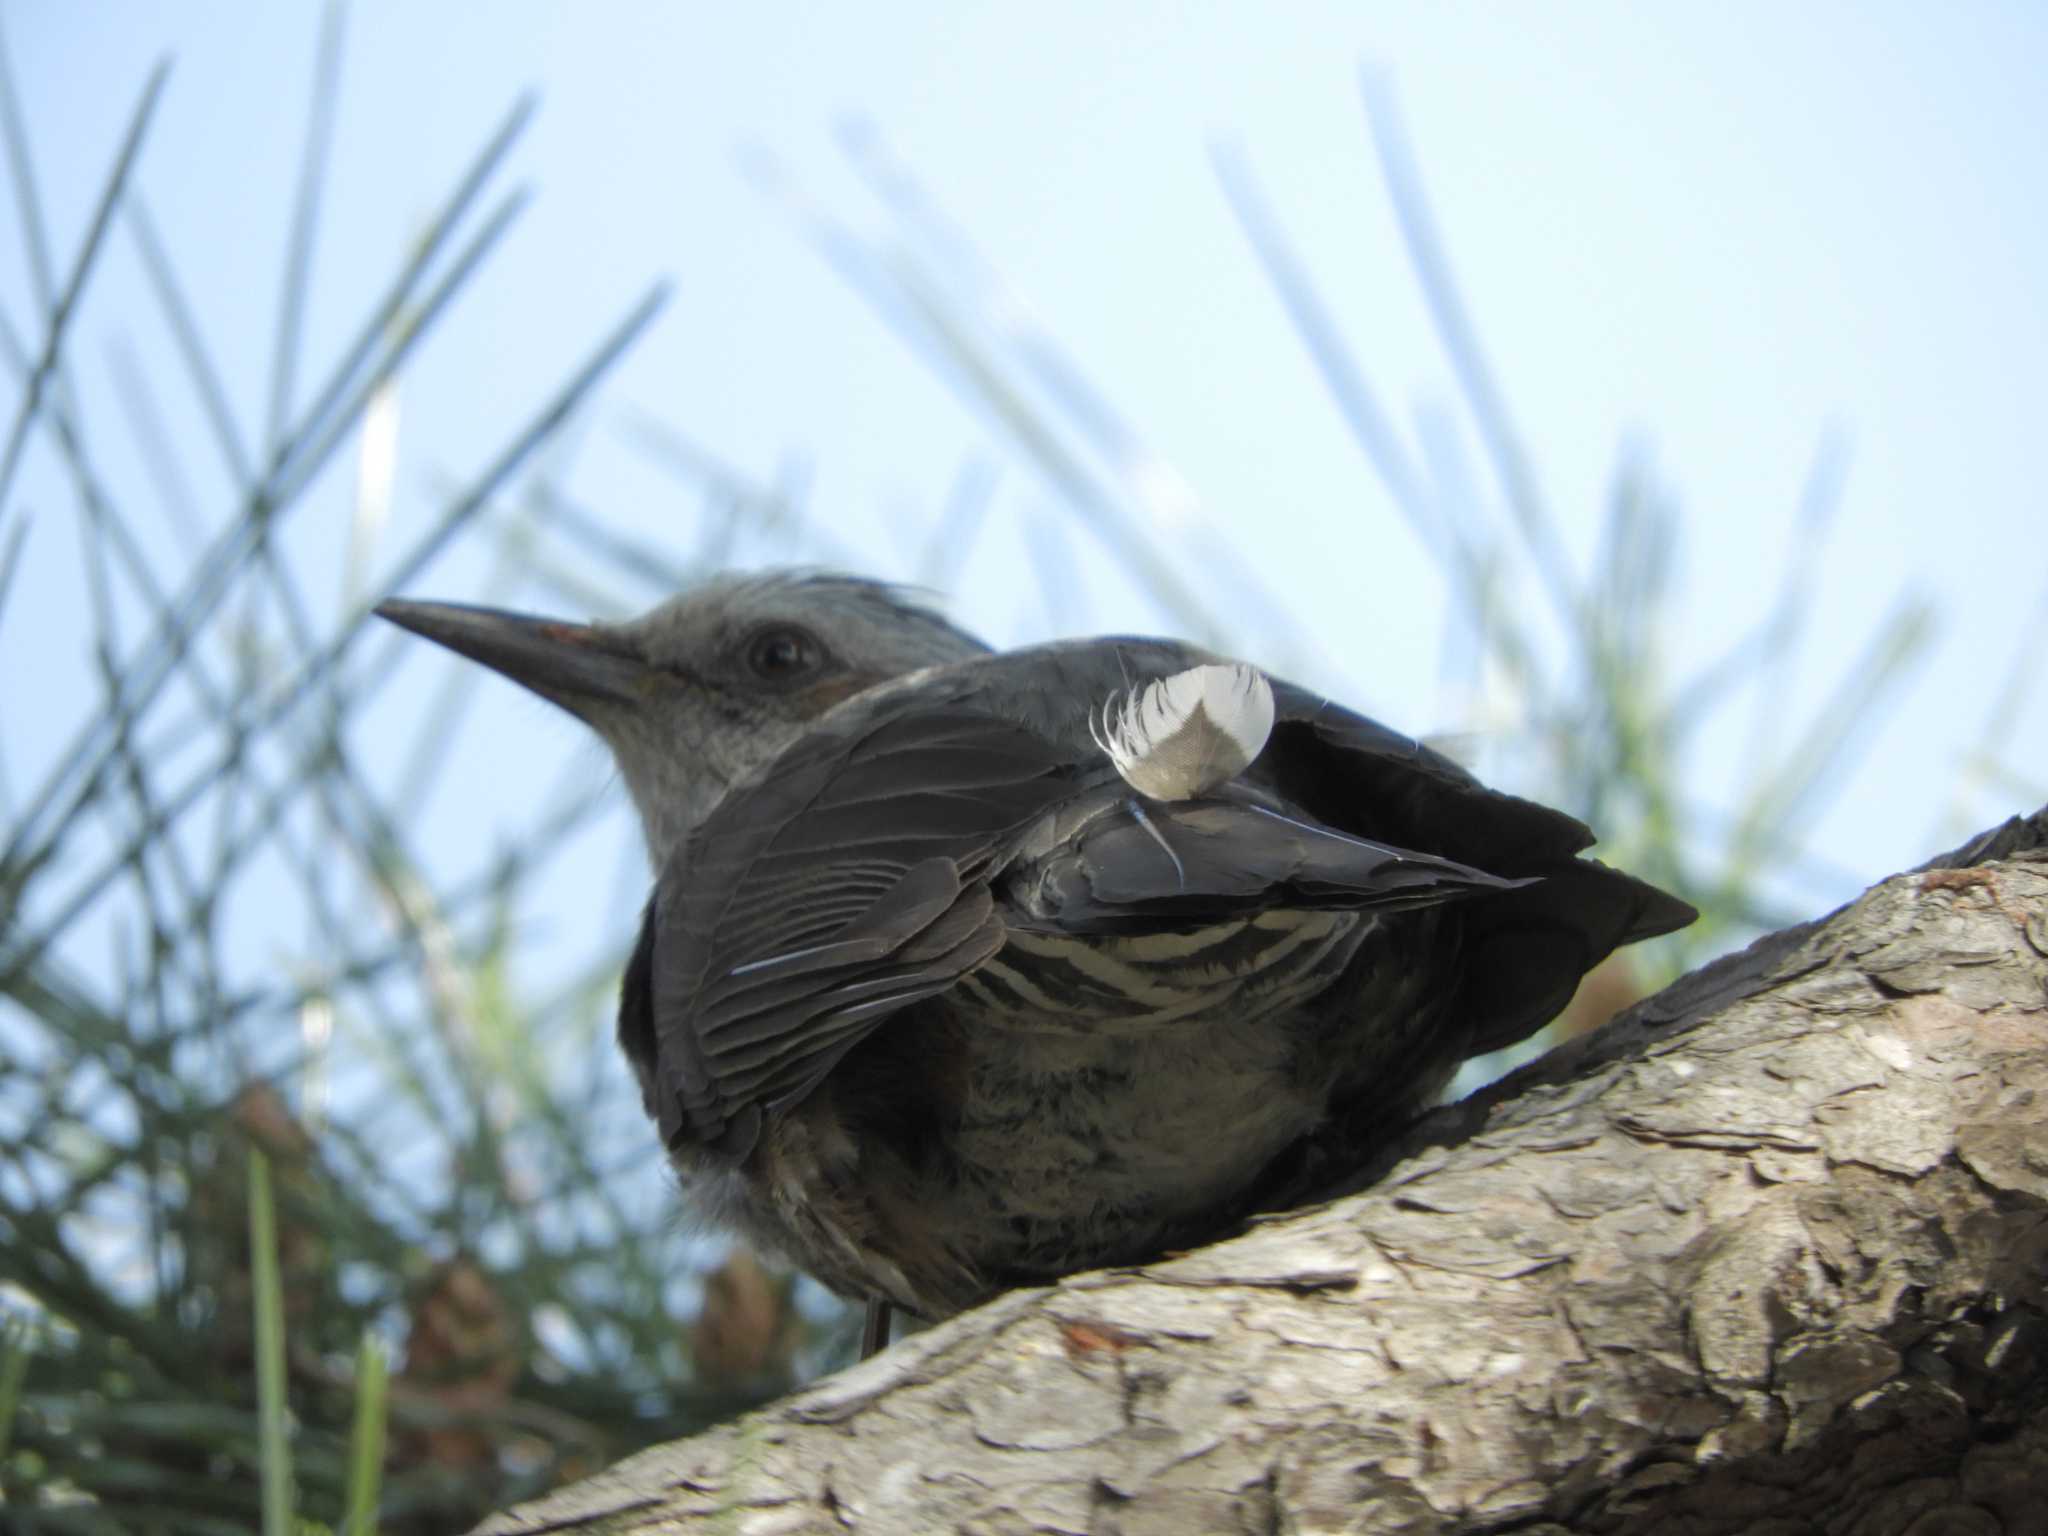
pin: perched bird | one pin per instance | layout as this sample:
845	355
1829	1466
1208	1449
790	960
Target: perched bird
966	969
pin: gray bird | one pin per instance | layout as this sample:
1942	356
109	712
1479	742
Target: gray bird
966	970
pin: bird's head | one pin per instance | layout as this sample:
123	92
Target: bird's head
694	694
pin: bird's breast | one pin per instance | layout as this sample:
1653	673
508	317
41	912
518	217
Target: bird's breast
1077	1102
1115	1091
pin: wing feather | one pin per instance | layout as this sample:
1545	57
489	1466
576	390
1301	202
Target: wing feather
1137	866
844	883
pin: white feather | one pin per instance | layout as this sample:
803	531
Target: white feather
1181	736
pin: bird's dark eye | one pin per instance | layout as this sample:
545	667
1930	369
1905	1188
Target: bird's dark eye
783	653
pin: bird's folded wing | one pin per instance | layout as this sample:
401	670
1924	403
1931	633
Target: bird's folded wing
1141	864
844	883
851	877
1378	783
1525	948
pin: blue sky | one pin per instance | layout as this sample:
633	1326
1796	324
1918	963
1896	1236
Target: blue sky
1714	233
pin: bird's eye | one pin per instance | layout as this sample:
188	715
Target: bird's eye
783	653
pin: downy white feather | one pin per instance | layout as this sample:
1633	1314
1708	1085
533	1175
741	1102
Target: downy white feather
1181	736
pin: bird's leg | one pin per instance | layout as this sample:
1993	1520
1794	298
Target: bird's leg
874	1332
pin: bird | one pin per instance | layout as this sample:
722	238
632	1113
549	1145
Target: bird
965	969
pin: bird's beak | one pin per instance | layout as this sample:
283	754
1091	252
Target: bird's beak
573	665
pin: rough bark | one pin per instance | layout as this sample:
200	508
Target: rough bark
1768	1255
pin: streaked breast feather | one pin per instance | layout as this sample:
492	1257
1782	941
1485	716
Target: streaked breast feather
1268	963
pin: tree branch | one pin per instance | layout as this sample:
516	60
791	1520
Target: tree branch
1767	1254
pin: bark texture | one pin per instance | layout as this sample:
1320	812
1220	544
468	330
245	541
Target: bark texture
1768	1255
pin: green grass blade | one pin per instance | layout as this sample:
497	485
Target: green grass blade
273	1430
366	1442
15	1349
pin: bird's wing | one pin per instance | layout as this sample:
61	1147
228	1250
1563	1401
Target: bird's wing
1374	781
1126	864
1526	948
852	877
1324	756
847	881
